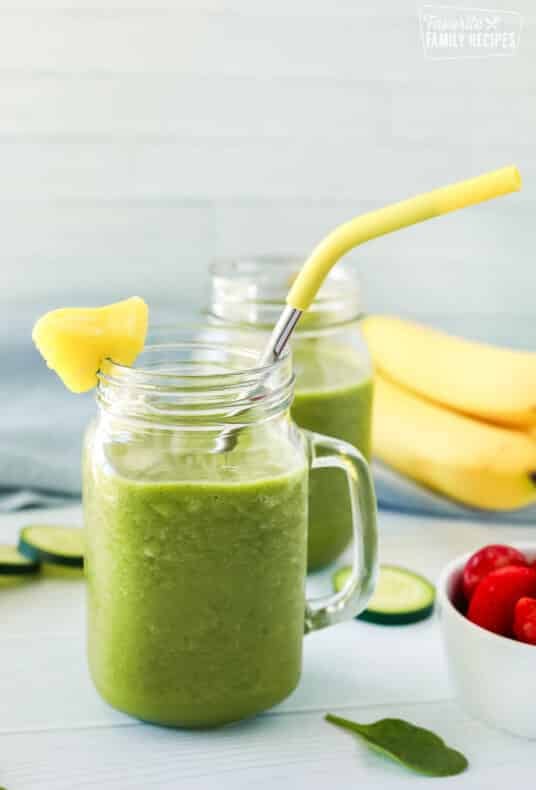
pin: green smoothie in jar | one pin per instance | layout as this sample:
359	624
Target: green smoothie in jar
233	546
333	397
196	555
334	389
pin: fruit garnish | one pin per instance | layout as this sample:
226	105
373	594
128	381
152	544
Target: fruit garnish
74	341
490	558
525	620
494	600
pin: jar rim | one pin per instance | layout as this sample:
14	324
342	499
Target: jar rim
251	291
143	375
203	376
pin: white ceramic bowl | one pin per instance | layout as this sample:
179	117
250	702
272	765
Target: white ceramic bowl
494	677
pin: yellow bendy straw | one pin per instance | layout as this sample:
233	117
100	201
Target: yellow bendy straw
379	223
386	220
361	229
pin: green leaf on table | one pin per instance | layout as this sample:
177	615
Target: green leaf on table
414	747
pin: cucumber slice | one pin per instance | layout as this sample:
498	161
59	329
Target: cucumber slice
55	545
13	563
401	596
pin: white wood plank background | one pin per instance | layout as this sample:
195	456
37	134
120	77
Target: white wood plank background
137	142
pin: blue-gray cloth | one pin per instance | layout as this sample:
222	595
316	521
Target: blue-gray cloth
42	427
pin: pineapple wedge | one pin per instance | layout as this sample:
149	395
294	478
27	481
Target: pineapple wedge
74	341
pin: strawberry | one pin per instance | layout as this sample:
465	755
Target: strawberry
488	559
493	602
525	620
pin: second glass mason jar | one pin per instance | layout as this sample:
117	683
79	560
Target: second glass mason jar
334	389
195	557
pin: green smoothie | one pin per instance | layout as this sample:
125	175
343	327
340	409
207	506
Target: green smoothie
334	397
195	567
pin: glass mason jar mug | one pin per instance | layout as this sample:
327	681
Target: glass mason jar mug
333	372
196	558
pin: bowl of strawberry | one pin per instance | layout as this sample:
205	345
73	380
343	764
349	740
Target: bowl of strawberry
486	603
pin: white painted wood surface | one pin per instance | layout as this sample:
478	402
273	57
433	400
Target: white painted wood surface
140	140
56	733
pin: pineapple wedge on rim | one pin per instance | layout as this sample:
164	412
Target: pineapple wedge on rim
75	341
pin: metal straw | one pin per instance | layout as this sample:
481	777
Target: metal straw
277	343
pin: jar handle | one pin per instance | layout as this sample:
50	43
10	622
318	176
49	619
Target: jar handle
328	453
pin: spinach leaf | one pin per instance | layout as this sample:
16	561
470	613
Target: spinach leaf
414	747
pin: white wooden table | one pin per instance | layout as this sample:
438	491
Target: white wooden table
56	733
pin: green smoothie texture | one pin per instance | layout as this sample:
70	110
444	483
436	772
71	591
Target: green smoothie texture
334	394
195	567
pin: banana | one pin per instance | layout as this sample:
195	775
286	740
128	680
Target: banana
484	381
475	463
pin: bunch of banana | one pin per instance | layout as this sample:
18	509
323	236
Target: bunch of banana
457	416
